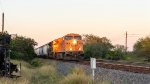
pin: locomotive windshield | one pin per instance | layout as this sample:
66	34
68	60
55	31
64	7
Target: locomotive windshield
77	37
68	37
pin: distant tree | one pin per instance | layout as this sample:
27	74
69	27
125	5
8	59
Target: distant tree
95	46
23	48
142	48
121	48
117	53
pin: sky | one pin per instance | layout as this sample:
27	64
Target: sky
46	20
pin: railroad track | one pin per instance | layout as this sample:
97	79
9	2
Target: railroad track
135	68
120	66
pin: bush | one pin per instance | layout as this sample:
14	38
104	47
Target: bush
96	50
142	48
87	51
77	76
95	46
115	55
35	63
45	75
77	70
22	48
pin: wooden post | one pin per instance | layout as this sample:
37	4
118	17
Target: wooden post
126	41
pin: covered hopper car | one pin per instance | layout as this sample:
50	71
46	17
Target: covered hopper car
69	47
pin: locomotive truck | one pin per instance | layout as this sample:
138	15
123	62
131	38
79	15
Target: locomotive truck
68	47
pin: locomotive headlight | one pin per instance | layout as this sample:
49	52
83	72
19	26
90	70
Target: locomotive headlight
70	48
80	48
74	42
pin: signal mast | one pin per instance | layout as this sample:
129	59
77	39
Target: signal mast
6	67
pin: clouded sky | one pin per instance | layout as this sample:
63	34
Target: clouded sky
45	20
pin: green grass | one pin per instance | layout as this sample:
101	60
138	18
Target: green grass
46	74
135	59
131	58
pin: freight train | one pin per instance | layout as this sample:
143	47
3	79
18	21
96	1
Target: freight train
68	47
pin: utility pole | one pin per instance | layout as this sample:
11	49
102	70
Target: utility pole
2	22
126	41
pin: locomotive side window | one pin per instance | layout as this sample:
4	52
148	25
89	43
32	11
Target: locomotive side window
77	37
68	37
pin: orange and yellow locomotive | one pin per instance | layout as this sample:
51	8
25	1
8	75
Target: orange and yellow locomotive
69	46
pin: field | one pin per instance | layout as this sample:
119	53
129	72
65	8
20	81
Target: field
43	71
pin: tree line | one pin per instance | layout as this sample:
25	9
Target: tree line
22	48
101	47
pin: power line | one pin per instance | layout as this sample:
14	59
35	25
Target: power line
126	39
